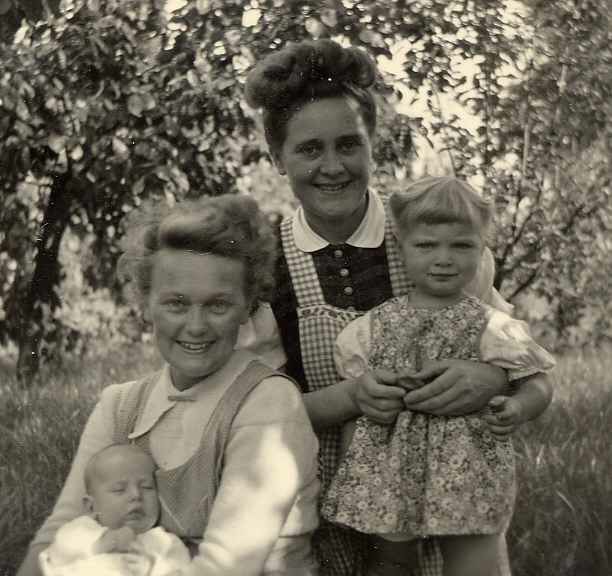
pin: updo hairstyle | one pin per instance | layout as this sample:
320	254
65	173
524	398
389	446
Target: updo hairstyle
284	81
229	225
440	200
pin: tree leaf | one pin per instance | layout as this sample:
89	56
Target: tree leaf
135	105
56	142
329	17
314	27
119	148
76	153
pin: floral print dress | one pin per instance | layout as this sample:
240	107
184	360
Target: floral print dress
428	475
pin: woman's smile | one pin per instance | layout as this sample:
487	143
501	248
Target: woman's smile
195	347
197	305
333	187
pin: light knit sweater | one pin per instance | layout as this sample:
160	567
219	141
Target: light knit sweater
265	508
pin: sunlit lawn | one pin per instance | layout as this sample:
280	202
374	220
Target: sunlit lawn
563	521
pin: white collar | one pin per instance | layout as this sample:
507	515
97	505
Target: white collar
369	234
165	396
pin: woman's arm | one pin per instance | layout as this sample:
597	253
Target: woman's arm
372	394
270	467
363	391
96	435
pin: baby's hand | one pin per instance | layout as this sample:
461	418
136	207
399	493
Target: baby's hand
116	540
504	417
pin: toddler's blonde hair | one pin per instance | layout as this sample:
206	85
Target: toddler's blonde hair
440	200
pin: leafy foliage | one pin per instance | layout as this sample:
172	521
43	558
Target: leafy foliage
542	95
105	103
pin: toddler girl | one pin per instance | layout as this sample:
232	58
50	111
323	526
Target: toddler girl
116	535
427	475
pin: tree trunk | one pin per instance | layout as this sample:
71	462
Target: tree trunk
44	280
12	14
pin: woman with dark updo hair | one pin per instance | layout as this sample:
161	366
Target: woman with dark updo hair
339	259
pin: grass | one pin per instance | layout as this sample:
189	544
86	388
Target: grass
563	520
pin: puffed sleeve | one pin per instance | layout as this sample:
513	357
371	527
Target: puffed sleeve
260	335
352	348
506	342
267	497
482	284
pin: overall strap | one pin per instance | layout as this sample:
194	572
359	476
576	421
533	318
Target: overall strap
187	493
220	423
306	286
131	405
397	274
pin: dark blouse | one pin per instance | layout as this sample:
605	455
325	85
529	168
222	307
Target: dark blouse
351	278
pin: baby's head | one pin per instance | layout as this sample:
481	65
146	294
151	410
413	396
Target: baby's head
441	224
440	200
120	488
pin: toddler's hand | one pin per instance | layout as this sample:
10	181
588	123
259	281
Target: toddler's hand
408	381
116	540
504	417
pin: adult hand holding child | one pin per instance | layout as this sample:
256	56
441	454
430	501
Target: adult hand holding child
454	387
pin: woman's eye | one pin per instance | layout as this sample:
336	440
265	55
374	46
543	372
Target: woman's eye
175	304
220	307
309	150
424	245
463	245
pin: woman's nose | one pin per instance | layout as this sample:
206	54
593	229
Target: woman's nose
331	163
196	320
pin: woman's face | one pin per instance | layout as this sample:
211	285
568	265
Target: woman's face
197	304
326	156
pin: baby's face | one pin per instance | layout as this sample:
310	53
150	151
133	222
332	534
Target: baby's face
123	492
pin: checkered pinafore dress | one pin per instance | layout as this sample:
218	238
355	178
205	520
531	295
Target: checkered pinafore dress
339	551
187	492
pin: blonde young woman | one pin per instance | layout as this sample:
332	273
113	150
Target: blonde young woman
235	452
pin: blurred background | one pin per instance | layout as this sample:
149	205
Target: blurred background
107	103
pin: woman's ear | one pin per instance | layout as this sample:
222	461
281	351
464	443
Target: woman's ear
146	313
278	162
88	505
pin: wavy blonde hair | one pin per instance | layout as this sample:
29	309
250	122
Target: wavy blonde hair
230	225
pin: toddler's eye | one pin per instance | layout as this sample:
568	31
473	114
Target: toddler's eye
349	144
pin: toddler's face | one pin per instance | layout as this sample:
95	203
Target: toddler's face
123	492
441	259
